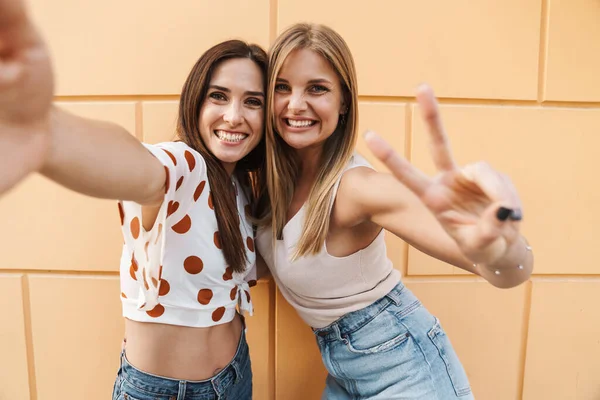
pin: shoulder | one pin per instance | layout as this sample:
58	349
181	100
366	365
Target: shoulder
357	160
355	183
356	175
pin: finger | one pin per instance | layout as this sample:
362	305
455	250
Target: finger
492	184
10	72
489	229
517	213
439	143
11	12
404	171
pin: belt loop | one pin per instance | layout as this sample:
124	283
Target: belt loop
337	332
182	389
395	295
238	373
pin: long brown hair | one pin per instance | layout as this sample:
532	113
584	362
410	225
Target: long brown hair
282	164
249	170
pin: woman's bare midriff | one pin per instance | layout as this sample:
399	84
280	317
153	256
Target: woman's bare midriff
180	352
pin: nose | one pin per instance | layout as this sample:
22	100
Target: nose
297	102
233	115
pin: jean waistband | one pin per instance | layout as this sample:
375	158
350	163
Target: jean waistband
351	322
159	385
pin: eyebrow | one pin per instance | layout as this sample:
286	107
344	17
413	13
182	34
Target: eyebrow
312	81
224	89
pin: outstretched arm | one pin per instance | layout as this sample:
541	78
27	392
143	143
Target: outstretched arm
92	157
467	216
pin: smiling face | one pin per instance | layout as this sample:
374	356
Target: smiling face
232	115
308	100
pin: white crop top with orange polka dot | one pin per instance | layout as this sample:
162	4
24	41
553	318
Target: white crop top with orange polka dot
176	272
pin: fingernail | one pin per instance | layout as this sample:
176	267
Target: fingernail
368	135
503	213
516	215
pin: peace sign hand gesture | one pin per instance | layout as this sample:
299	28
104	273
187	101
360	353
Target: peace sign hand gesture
26	88
476	205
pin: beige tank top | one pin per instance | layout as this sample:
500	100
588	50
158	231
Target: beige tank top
323	288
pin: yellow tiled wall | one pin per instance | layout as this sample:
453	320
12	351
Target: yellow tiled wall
519	87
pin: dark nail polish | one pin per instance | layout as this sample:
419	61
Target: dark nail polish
516	215
503	213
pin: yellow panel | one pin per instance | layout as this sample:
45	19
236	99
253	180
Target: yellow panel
299	371
13	347
68	231
140	46
77	333
485	326
483	49
573	53
563	351
389	121
551	156
119	112
159	121
261	338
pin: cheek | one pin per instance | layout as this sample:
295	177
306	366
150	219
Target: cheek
278	104
257	121
207	116
329	110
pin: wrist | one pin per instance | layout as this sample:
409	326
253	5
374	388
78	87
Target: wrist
516	258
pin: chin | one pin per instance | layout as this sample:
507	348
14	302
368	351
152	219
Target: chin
227	158
294	143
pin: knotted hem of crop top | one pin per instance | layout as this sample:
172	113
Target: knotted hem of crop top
244	299
150	269
149	246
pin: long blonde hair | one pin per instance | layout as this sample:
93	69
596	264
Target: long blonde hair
282	164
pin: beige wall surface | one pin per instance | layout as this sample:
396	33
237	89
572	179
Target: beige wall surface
519	86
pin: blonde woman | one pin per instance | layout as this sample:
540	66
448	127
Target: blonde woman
323	236
188	256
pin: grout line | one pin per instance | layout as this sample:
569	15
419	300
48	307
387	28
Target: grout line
275	341
29	338
139	121
533	278
118	97
524	339
543	50
451	101
273	20
408	136
420	277
448	101
59	272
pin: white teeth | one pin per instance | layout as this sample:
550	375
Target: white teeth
300	124
230	137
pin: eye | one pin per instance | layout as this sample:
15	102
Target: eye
217	96
254	102
282	87
318	89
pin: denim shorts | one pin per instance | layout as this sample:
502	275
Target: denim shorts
392	349
234	382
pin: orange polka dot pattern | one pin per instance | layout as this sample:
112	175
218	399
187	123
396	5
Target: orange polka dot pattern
175	273
193	265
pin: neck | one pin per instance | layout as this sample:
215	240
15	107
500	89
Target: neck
310	161
229	167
